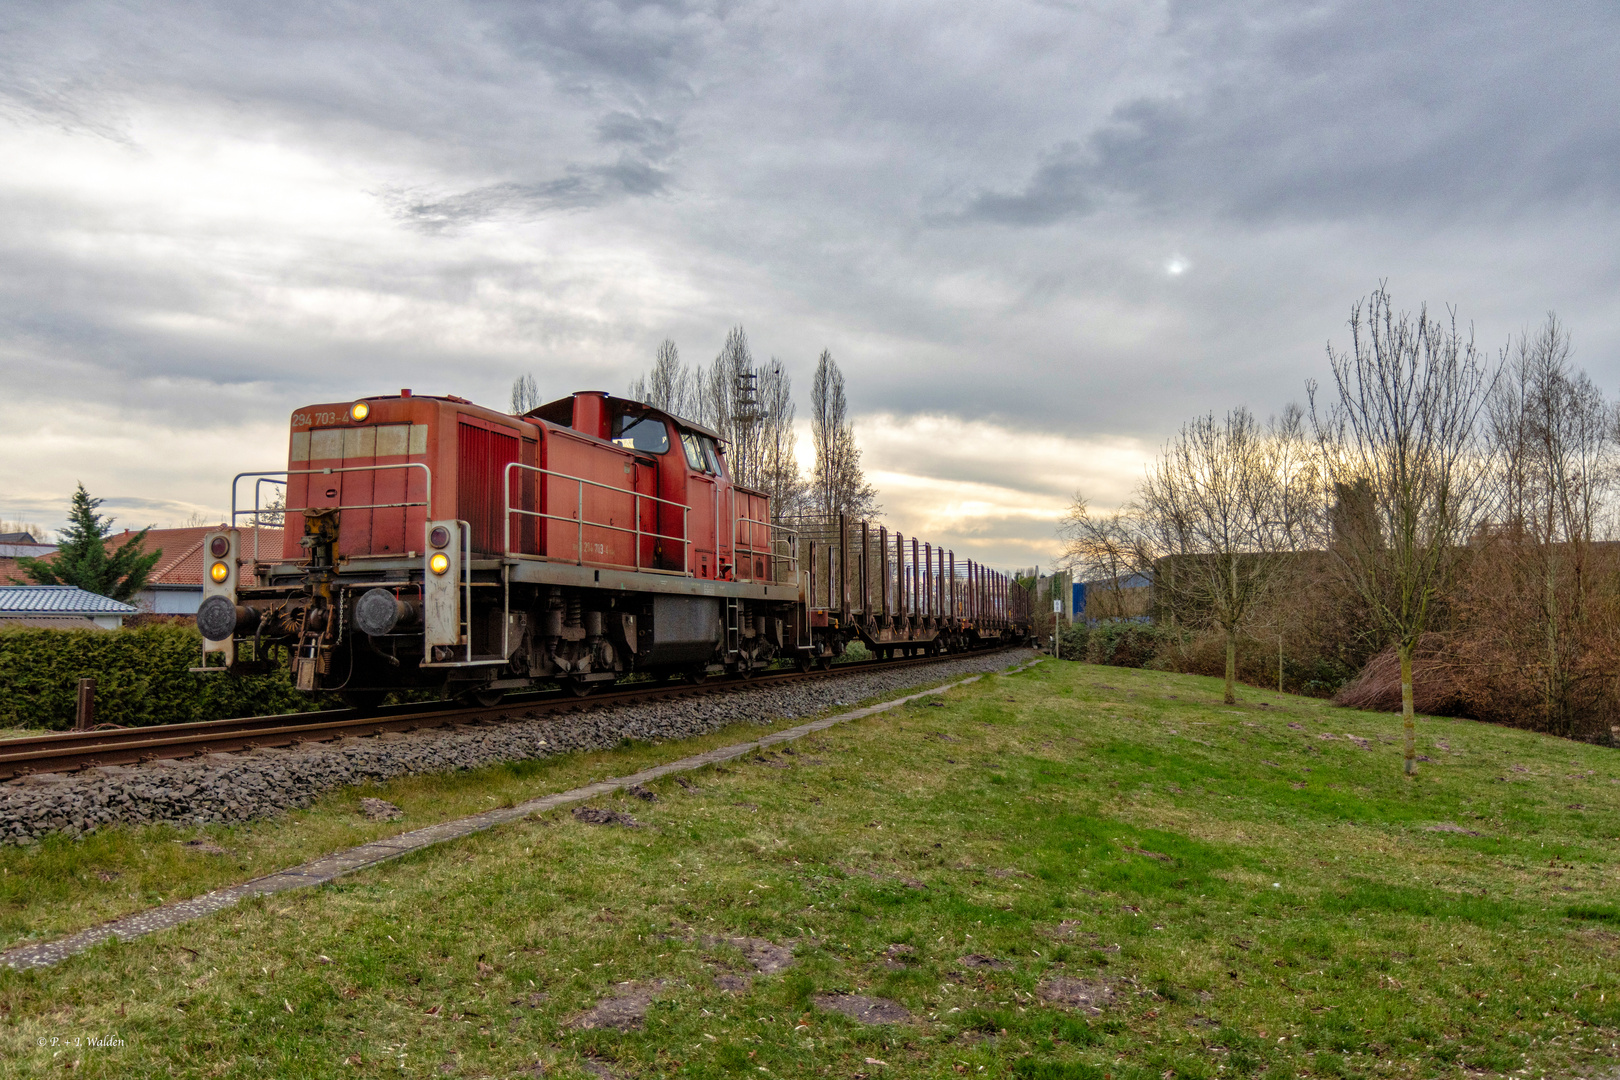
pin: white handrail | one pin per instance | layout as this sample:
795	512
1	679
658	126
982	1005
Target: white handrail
427	501
792	559
579	518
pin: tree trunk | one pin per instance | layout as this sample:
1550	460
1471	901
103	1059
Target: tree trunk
1408	721
1231	666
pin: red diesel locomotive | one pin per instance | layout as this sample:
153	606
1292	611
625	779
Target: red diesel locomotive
448	545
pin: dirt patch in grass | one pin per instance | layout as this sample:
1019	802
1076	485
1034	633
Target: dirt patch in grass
979	960
596	815
623	1010
867	1010
767	957
1088	995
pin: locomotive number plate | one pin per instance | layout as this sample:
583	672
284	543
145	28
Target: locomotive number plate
305	419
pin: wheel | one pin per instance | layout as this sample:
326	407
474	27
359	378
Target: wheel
489	698
697	675
581	689
804	662
824	662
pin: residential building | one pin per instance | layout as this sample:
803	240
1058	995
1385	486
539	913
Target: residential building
62	607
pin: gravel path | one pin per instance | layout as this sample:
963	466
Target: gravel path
223	788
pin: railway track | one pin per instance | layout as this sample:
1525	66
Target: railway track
70	751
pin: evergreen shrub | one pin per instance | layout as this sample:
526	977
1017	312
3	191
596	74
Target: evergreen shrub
141	674
1123	643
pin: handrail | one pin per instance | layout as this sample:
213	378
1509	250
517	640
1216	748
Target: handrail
579	519
256	512
792	559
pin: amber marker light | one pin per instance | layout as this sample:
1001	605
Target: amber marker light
439	562
359	411
219	572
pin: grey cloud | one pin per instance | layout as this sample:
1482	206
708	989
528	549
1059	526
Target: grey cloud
652	135
1060	188
1345	111
583	188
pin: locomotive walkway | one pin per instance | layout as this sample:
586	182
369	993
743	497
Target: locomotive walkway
338	864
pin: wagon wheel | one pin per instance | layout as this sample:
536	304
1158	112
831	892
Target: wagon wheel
489	698
804	662
580	688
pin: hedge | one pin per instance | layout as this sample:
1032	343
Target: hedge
141	675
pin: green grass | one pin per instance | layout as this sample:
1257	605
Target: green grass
1263	902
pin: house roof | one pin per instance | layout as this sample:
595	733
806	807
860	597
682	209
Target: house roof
18	538
57	599
13	550
182	559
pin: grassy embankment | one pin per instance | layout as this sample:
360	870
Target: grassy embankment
1257	898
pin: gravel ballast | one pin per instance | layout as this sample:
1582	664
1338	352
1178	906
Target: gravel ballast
230	788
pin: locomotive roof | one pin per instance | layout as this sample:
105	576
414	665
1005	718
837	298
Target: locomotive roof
561	412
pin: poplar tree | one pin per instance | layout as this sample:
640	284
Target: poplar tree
839	483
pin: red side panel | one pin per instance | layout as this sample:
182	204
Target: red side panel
593	523
482	457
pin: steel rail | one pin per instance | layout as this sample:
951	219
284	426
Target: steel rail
74	750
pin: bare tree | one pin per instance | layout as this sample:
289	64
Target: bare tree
779	458
839	483
670	386
274	513
731	407
1102	549
525	395
1218	516
1402	435
1551	433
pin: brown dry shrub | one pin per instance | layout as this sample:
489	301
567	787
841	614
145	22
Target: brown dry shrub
1538	634
1439	686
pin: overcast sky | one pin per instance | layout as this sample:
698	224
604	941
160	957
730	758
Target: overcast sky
1037	236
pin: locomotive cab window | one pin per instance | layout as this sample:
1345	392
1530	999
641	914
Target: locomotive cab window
694	451
645	433
712	452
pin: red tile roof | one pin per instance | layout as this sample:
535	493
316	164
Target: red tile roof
182	559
